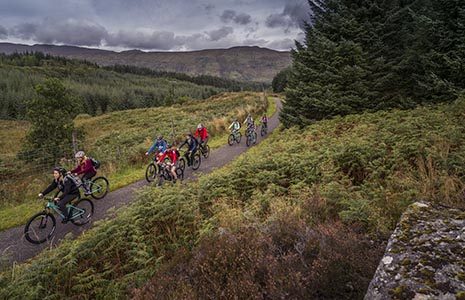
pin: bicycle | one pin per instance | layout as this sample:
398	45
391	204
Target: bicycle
251	137
235	136
184	161
204	149
165	173
41	227
264	129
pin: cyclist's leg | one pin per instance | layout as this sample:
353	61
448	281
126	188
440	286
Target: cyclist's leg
173	172
62	205
86	180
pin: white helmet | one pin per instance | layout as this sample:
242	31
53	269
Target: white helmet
199	126
79	154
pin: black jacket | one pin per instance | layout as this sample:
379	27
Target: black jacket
191	143
65	186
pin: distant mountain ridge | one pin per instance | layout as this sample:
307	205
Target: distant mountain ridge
239	63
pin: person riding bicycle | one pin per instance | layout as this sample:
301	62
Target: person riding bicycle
173	155
264	121
201	134
250	123
66	186
192	144
235	126
159	145
85	170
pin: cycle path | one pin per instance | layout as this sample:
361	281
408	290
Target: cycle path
14	248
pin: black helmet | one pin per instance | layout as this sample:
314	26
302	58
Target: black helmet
61	170
160	137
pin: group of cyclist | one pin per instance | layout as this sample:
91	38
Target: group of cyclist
170	155
68	186
67	183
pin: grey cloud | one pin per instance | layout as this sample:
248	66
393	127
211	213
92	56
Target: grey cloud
3	32
69	31
218	34
238	18
162	40
295	14
284	44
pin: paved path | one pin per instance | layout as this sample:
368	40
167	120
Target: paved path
15	248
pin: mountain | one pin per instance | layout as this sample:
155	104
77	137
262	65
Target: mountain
239	63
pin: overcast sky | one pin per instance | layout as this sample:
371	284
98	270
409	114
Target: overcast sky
154	24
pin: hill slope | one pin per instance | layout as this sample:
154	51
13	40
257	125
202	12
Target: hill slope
239	63
296	217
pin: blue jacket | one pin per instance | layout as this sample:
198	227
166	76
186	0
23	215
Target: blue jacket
159	144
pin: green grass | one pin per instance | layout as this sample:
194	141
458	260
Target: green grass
119	140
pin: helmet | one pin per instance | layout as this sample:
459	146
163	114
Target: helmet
199	126
160	137
61	170
79	154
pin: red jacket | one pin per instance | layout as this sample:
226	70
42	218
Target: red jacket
171	154
202	133
84	168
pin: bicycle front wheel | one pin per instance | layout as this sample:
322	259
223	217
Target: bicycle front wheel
263	131
206	151
151	172
255	138
40	228
231	139
238	137
196	161
99	187
82	212
247	140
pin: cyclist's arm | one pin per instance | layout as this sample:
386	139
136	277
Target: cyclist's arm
50	188
182	145
151	149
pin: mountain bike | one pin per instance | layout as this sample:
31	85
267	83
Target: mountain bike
251	137
264	129
153	169
184	161
235	136
98	187
41	227
165	173
204	150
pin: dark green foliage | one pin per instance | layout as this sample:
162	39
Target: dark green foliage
279	82
51	114
373	54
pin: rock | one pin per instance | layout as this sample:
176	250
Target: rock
424	258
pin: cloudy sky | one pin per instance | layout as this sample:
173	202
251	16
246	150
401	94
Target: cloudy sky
165	25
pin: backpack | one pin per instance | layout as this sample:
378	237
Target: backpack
95	163
74	179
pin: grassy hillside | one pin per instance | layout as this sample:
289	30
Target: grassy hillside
238	63
119	140
303	215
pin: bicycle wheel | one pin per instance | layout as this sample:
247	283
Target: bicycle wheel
206	151
160	179
151	172
263	131
247	140
40	228
238	138
196	161
231	139
180	173
182	163
82	212
255	137
99	187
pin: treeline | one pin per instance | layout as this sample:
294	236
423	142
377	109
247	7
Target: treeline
96	90
373	55
227	84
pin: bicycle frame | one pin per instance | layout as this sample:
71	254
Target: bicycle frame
51	206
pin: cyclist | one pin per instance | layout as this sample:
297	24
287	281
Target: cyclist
159	145
201	134
173	155
250	123
192	144
235	126
68	188
264	121
85	170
